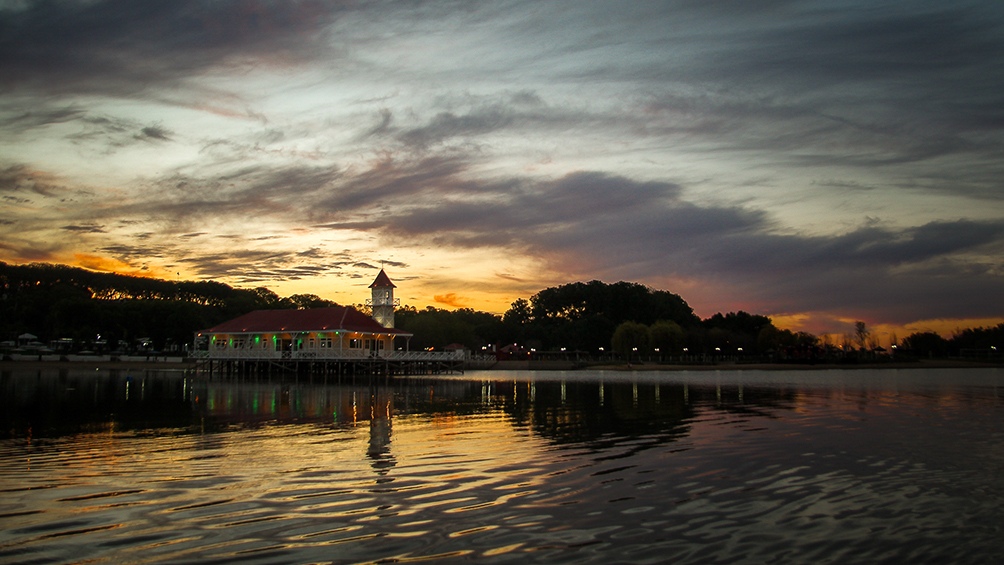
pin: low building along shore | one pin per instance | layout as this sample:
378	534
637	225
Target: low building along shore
337	339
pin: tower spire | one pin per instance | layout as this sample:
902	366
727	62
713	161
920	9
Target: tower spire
383	302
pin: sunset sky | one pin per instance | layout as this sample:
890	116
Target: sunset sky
817	162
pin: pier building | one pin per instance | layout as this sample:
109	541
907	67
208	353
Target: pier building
334	340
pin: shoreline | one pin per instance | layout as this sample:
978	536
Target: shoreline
190	365
101	364
920	364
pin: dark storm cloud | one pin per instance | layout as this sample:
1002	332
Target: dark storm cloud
125	47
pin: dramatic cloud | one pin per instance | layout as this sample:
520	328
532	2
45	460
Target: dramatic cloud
811	160
592	224
22	179
127	48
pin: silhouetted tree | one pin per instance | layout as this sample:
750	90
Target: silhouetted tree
306	301
729	332
861	334
630	338
437	328
987	339
583	316
666	336
58	301
926	344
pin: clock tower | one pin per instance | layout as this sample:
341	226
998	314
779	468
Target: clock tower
383	302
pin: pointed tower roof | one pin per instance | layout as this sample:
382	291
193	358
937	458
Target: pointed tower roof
382	280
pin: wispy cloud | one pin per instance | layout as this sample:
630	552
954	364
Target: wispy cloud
87	228
155	133
24	179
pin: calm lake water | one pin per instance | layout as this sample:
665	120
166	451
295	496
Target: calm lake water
856	466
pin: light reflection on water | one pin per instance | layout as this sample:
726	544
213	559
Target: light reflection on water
831	467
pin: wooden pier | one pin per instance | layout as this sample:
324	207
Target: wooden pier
396	363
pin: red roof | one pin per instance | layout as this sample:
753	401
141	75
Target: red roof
310	320
382	280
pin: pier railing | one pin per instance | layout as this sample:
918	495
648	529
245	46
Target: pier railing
326	355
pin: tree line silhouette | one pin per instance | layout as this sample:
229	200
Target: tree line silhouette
592	319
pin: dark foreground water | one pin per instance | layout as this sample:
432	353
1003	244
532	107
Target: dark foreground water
889	466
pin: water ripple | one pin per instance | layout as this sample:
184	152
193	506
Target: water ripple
828	474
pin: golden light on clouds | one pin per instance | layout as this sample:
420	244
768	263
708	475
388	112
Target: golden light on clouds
110	265
450	299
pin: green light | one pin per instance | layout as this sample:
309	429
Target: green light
257	338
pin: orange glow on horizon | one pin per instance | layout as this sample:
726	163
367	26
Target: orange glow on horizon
450	299
885	334
495	298
115	266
